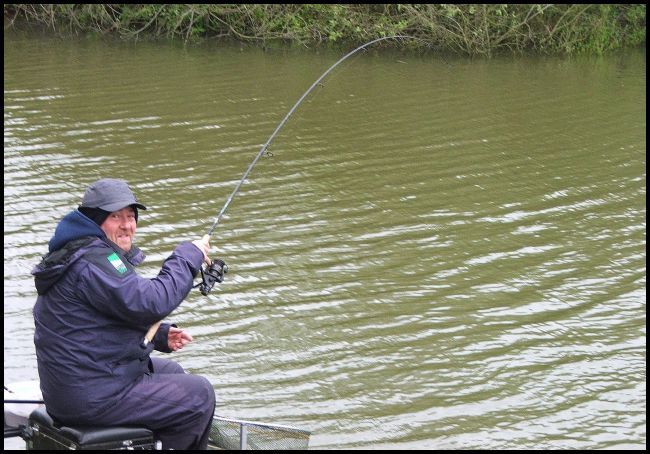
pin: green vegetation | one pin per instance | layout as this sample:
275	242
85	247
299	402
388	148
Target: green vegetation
469	29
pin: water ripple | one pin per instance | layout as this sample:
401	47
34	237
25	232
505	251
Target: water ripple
444	256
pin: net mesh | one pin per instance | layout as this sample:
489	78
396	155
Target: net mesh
233	434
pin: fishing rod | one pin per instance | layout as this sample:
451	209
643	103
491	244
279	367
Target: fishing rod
215	271
286	117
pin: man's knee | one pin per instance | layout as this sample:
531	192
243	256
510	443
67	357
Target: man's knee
166	366
208	391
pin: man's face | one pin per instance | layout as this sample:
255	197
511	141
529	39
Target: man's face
119	227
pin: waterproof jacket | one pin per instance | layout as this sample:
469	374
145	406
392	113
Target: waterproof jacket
92	312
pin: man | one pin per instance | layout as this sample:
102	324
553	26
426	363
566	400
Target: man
91	316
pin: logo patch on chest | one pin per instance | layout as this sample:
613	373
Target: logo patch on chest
117	263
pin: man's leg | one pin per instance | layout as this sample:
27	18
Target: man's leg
178	407
165	366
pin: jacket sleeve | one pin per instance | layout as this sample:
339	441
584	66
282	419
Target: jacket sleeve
141	301
161	339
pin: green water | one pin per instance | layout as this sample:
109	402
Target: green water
440	254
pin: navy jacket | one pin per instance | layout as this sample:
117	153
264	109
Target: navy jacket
92	313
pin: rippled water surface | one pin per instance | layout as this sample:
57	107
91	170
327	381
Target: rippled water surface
441	253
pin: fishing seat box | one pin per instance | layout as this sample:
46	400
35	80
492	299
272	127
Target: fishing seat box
46	434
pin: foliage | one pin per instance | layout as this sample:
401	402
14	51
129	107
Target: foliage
470	29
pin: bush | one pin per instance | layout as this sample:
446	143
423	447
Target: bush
470	29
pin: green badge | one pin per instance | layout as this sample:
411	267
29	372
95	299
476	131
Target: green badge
117	263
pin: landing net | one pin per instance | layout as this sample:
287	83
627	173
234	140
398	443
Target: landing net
235	434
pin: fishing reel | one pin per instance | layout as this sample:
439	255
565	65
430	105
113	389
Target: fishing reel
211	275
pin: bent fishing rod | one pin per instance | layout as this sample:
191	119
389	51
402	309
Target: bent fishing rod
214	272
286	117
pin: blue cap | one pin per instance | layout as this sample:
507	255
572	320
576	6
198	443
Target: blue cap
110	195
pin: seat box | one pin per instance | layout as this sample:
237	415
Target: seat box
44	433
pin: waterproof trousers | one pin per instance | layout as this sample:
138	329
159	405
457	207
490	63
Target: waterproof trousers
178	407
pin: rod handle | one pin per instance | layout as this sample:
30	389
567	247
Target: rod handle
151	333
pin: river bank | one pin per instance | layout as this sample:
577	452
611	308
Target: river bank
464	29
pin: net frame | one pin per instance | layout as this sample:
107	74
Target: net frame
239	434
